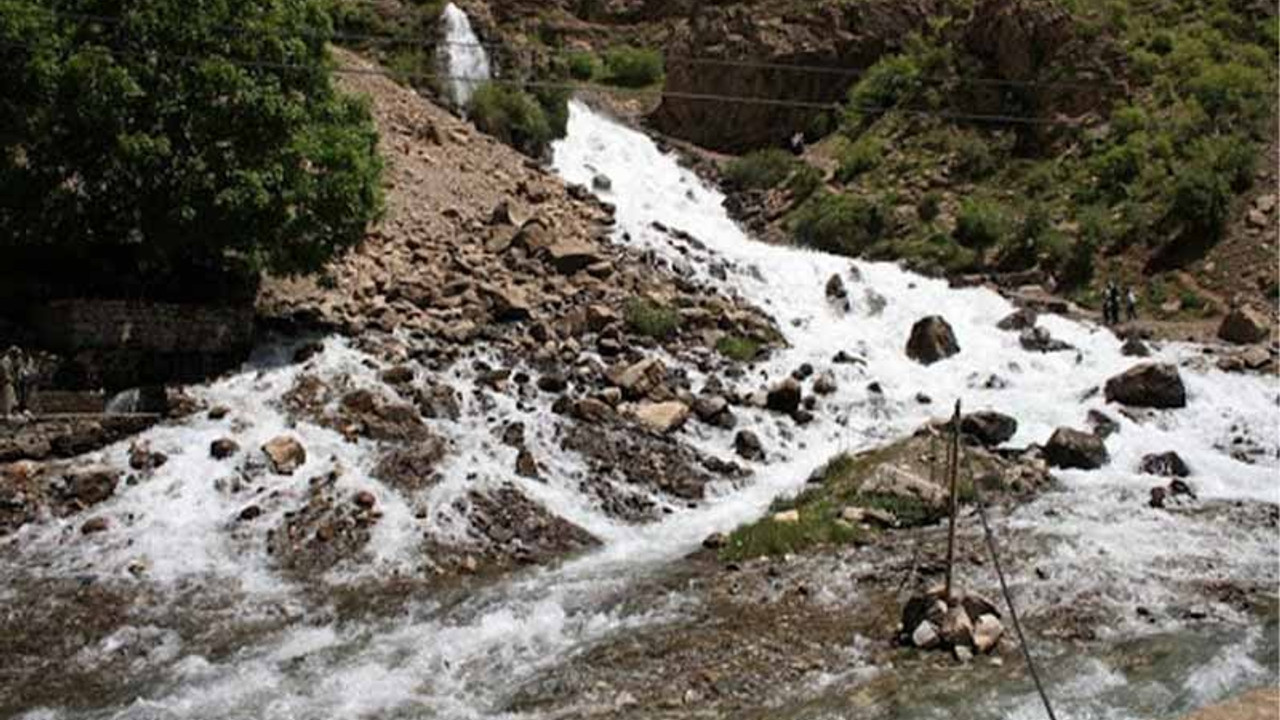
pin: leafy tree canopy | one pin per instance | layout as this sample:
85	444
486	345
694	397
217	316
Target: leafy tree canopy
185	133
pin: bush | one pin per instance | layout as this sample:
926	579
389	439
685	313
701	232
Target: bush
929	205
205	163
804	182
633	67
583	65
980	224
841	224
1233	91
650	318
974	159
859	157
885	84
760	169
511	115
1201	199
736	347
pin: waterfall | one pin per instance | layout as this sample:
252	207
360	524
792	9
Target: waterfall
463	58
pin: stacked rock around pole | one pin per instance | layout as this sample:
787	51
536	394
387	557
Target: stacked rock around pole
966	626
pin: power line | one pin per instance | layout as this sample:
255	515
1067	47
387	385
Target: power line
566	85
392	39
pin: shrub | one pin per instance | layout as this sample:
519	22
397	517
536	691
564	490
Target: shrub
1118	166
974	159
760	169
980	224
1233	91
511	115
1201	198
1128	120
201	164
650	318
804	182
842	224
633	67
885	84
736	347
859	157
929	205
583	65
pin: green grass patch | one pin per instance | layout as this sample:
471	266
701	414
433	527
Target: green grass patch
650	318
739	348
633	67
819	524
841	224
761	169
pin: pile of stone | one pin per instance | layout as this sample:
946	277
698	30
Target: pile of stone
965	626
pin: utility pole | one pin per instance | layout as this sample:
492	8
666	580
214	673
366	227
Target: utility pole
953	470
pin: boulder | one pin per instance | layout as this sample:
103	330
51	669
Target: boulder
1165	464
1037	339
988	427
899	482
1154	385
987	632
932	339
1243	325
748	446
1134	347
664	416
285	453
526	465
925	636
569	256
94	525
957	628
836	292
1068	448
223	448
1020	319
601	182
784	397
1103	425
90	485
639	379
825	384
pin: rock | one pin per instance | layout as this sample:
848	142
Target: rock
526	465
1257	218
251	512
94	525
707	407
365	499
438	402
1165	464
932	339
569	256
957	628
787	517
1158	496
1134	347
1180	488
902	483
223	448
825	384
592	410
601	182
141	457
664	416
963	654
977	606
784	397
1037	339
553	383
508	303
285	453
90	485
218	412
835	289
1154	385
640	379
987	633
715	541
1265	203
1068	448
504	215
1102	424
398	375
1242	326
988	427
748	446
925	636
1021	319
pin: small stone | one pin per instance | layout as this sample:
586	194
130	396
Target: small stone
663	417
957	628
748	446
94	525
784	397
223	448
285	453
526	465
1165	464
963	654
787	517
365	499
987	632
251	512
825	384
601	183
218	412
925	636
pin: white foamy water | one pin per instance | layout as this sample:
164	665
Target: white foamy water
463	56
463	661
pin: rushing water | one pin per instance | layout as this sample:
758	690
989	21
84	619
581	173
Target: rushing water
463	57
464	660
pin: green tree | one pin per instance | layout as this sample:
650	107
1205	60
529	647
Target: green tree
181	133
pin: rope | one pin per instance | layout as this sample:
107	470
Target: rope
1008	596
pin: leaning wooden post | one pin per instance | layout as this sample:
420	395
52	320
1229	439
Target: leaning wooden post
953	467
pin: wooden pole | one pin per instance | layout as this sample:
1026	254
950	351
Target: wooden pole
953	467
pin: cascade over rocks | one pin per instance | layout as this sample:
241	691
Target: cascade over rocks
932	339
1153	385
1069	448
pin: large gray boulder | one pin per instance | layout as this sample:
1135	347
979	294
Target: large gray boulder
1154	385
988	427
1243	325
1068	448
932	339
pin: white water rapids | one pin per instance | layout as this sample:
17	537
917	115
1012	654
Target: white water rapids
463	56
464	660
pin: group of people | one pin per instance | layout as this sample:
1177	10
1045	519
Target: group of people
1113	298
18	372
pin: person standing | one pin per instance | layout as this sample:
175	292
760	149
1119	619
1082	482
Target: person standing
1131	304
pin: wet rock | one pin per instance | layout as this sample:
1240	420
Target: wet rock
601	182
323	531
1242	326
223	448
438	402
835	289
1102	424
932	339
553	383
251	512
1180	488
748	446
513	434
94	525
592	410
365	499
663	417
1134	347
412	468
825	384
1165	464
988	427
656	461
142	457
1154	385
784	397
285	453
526	465
1037	339
709	407
218	412
1069	448
398	375
963	654
1020	319
1158	497
89	485
307	350
520	529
